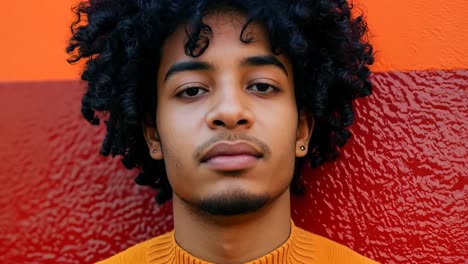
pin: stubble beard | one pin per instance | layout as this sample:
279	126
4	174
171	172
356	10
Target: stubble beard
238	203
233	203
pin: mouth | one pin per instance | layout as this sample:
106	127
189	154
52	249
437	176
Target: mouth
226	156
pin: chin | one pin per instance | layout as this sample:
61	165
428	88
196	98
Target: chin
232	203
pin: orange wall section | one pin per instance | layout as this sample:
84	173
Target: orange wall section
33	39
408	35
418	34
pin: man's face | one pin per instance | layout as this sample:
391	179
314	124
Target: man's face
227	121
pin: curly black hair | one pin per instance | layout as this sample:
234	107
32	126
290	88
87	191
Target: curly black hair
121	40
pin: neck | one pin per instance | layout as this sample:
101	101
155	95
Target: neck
233	239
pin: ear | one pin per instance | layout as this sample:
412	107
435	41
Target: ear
153	141
304	133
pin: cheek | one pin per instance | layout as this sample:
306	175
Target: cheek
176	127
279	129
286	123
282	123
178	134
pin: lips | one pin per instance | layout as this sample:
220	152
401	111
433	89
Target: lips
226	149
227	156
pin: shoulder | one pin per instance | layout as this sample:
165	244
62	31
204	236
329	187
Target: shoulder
138	253
330	251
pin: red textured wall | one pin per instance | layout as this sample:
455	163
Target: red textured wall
397	194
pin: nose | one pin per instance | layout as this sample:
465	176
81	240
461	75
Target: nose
230	110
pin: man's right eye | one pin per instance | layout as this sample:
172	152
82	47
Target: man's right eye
192	92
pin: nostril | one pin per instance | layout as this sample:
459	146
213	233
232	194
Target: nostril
218	122
242	122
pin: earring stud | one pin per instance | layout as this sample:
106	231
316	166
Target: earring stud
155	151
303	148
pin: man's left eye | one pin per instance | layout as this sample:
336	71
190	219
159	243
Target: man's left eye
262	88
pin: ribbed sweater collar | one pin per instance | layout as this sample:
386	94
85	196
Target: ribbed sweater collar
166	250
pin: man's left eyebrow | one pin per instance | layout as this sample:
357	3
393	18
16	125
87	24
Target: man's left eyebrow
264	61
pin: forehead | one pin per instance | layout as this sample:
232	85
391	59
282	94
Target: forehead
226	36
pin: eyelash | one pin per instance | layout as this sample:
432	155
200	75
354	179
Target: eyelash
273	88
189	88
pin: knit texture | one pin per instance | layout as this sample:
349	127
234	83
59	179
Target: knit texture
301	247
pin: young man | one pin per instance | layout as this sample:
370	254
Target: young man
219	103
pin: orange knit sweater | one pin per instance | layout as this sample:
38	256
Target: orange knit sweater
301	247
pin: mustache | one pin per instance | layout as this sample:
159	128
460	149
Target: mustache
200	150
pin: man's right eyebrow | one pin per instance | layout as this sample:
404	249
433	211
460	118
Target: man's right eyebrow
187	66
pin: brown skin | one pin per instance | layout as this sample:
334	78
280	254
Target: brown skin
230	105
